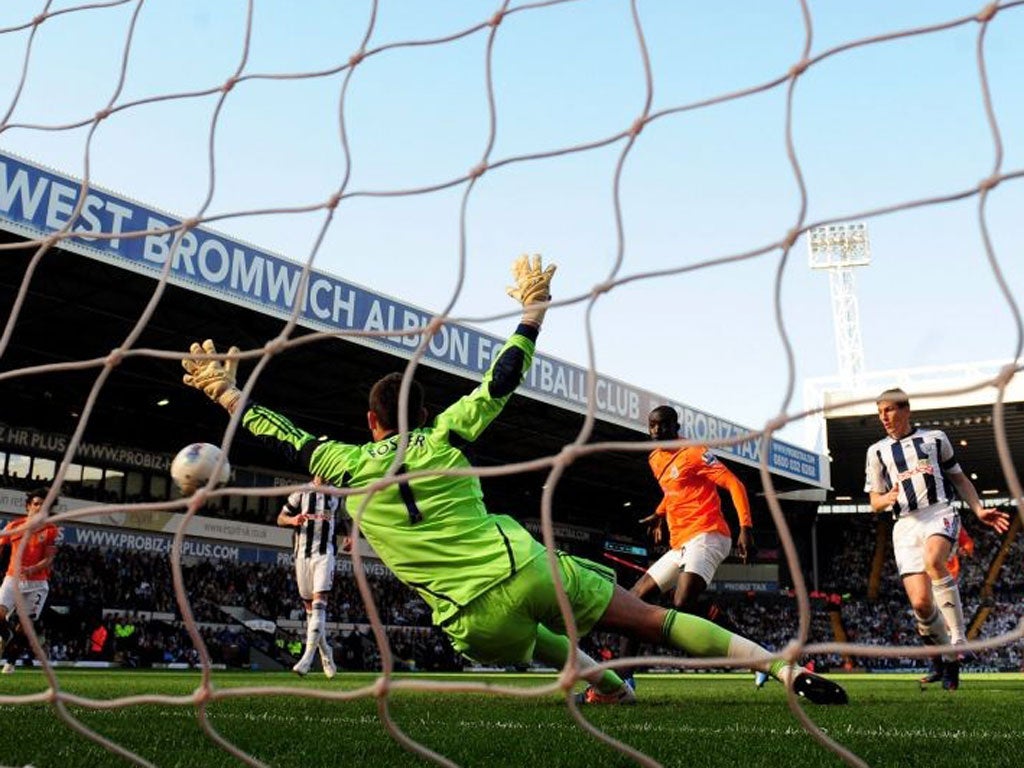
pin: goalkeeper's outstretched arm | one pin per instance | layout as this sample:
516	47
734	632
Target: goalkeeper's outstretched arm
470	415
216	378
532	288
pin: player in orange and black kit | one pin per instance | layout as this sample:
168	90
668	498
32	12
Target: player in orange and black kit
32	577
699	536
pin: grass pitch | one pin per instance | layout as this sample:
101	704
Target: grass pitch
690	720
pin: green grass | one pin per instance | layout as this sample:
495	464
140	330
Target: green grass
690	720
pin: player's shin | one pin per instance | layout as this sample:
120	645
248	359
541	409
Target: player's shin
554	650
628	647
947	599
702	638
932	628
315	619
13	639
318	618
699	637
315	626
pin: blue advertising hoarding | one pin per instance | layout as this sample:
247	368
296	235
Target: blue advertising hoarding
36	202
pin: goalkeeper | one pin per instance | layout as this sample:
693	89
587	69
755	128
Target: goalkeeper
485	578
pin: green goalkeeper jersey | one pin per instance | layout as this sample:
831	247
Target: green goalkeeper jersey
434	531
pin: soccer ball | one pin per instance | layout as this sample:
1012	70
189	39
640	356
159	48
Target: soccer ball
193	467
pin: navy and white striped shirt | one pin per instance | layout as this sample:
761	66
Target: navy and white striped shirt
317	535
919	463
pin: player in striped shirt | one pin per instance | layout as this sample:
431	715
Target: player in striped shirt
487	581
313	515
913	471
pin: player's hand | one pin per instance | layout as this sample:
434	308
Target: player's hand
653	523
213	377
533	286
656	529
745	544
994	518
891	496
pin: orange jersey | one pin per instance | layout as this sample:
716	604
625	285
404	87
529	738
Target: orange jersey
965	544
953	566
690	479
36	547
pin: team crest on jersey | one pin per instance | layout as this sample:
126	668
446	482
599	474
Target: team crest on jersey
923	467
709	458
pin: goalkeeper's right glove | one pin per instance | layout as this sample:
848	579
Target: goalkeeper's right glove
532	288
213	377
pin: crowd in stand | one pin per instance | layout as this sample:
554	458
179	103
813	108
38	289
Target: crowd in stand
888	619
114	588
118	588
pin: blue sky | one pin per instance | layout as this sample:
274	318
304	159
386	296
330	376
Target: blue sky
873	126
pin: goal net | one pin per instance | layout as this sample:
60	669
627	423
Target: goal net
671	158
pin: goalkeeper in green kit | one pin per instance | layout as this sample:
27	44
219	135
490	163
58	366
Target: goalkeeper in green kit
485	578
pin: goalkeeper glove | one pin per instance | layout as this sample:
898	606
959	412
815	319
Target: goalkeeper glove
215	378
532	288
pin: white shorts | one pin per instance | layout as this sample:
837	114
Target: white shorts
314	574
35	593
912	529
701	555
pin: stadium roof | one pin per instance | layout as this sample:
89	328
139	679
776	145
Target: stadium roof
85	296
967	417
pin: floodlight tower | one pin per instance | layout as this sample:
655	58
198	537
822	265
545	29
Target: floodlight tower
839	248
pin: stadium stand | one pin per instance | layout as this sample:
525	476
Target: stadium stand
95	587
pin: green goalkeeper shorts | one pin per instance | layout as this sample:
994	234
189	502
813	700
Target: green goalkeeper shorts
500	626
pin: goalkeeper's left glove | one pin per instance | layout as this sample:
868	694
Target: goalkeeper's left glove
533	287
213	377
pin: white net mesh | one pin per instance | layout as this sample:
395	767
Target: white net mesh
342	134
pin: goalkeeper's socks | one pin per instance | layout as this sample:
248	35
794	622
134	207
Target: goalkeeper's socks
696	636
704	639
554	650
